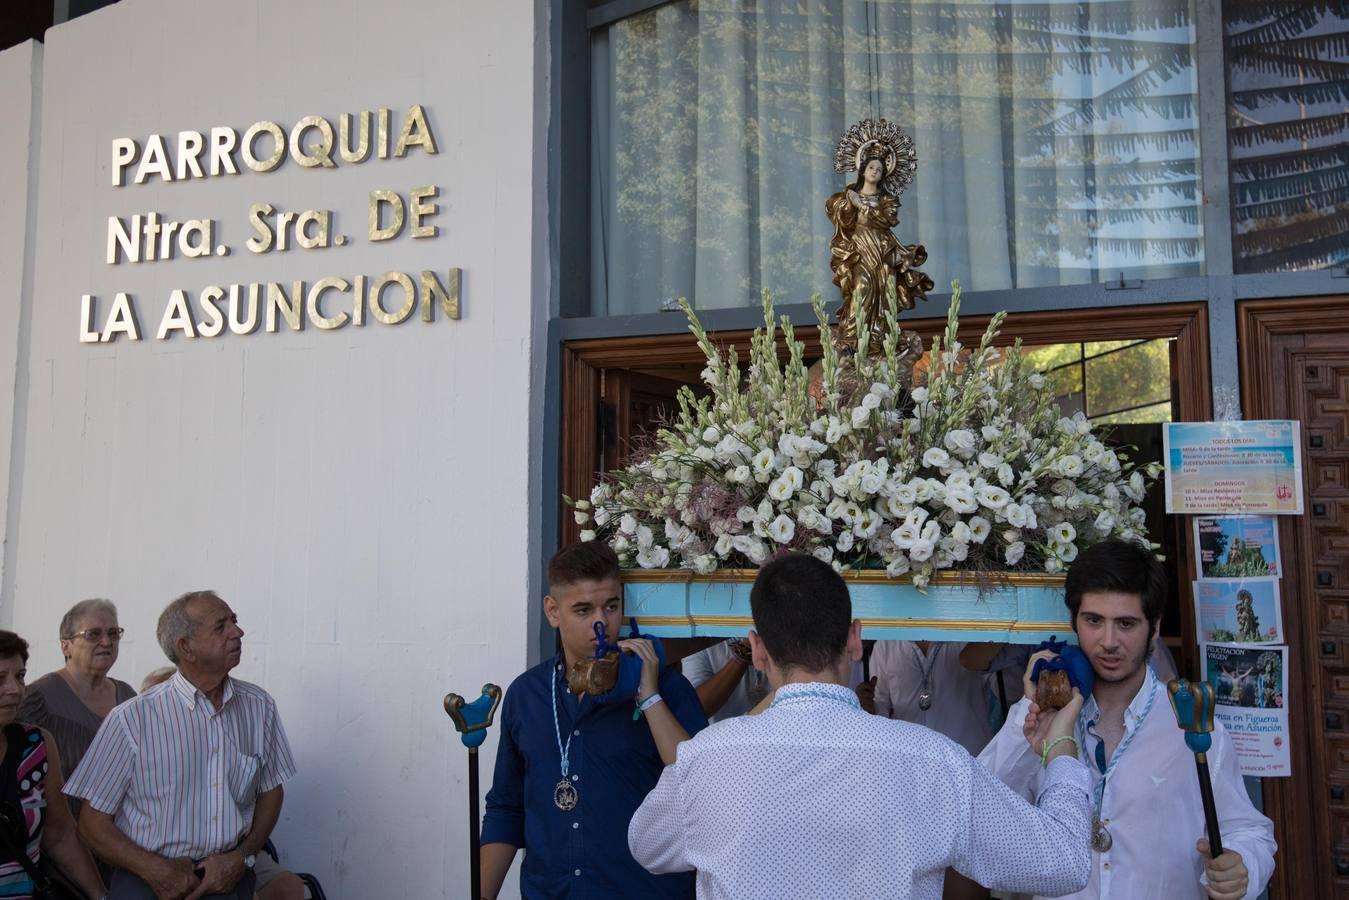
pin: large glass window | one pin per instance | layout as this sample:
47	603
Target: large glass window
1288	134
1056	140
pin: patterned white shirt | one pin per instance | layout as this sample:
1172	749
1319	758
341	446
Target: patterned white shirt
1151	805
179	777
815	798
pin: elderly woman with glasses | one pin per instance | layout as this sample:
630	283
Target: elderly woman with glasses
72	702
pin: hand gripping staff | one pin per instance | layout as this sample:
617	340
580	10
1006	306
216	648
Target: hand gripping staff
472	720
1193	703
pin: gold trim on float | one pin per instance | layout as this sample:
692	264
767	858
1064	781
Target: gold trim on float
1042	626
945	578
686	621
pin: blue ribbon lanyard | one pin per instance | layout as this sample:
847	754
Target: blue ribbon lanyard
1106	771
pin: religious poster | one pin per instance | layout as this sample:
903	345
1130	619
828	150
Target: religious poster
1250	685
1233	467
1237	546
1240	611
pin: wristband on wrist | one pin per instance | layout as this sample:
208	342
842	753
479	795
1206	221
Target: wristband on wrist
644	705
1050	745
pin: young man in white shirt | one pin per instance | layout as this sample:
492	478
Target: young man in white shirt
815	798
1148	818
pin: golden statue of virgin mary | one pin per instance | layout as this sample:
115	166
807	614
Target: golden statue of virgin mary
864	253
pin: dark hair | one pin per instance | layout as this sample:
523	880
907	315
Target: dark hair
1116	565
802	612
13	645
586	561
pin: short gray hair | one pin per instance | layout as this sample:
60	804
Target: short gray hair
79	611
175	623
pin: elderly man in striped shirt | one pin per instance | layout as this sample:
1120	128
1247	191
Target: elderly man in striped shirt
182	785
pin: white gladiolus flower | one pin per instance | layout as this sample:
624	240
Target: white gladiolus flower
979	529
921	551
782	529
936	457
587	535
1069	466
653	557
627	524
960	442
1063	533
993	496
1014	552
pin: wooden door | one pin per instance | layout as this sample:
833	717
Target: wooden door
1295	365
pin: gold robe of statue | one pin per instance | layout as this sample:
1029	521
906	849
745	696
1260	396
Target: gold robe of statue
864	253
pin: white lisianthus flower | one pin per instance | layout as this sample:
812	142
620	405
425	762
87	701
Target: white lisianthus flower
1036	380
860	415
979	529
724	545
961	533
990	433
993	497
919	394
653	557
920	580
753	548
581	516
961	500
825	468
599	494
644	537
762	465
627	524
898	566
1052	565
872	481
704	564
711	434
1014	552
581	505
921	551
587	535
834	433
780	490
1005	475
896	506
960	442
601	516
1063	533
958	478
619	543
1105	522
1066	552
905	536
824	554
1015	514
745	514
931	531
1069	466
866	524
741	474
837	508
706	454
989	460
844	542
782	529
936	457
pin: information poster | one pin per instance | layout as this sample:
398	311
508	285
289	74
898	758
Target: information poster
1238	546
1249	685
1240	611
1233	467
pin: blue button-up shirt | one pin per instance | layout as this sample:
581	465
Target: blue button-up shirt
614	763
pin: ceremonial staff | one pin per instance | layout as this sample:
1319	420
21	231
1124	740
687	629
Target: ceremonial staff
472	720
1193	704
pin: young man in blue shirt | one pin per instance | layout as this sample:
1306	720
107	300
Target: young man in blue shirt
571	770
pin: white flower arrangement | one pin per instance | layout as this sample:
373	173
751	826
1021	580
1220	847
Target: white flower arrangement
973	470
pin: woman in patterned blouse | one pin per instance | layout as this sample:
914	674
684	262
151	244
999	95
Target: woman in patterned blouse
30	780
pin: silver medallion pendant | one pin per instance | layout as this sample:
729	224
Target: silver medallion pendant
925	701
1100	837
564	796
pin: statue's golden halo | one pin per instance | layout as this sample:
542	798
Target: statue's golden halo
885	140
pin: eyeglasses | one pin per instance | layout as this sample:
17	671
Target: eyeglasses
94	635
